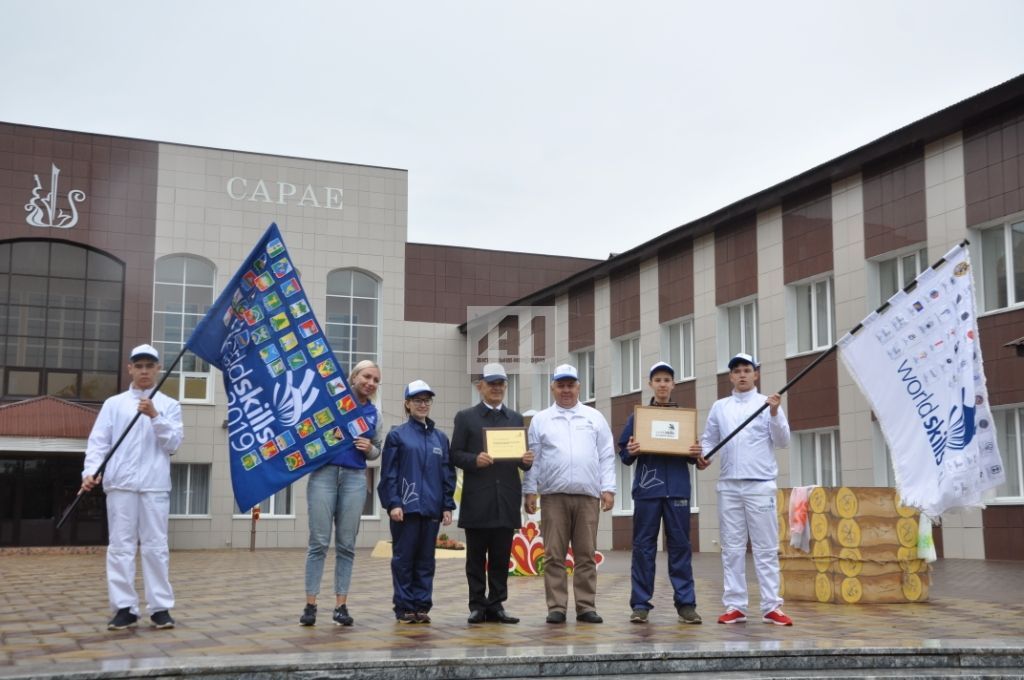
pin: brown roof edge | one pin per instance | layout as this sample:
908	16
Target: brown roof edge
48	417
917	134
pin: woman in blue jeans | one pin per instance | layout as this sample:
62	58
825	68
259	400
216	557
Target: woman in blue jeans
336	494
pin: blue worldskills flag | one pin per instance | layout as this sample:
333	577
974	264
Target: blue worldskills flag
290	409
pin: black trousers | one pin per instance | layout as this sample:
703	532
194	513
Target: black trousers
487	554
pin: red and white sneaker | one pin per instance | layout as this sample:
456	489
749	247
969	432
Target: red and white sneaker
778	618
732	616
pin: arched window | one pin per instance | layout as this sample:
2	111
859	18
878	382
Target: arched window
60	320
353	316
182	294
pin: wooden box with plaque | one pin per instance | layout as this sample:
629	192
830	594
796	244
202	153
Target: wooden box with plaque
668	431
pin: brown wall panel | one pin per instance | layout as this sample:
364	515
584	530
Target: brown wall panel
675	281
736	260
994	167
117	215
807	235
622	532
441	281
1003	532
581	316
624	290
685	394
1004	370
622	408
894	204
724	386
813	402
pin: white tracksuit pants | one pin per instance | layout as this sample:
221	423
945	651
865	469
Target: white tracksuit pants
132	519
747	508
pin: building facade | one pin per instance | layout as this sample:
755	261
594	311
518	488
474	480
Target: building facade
156	230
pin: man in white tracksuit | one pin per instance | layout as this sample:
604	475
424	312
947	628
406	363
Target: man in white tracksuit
746	490
137	481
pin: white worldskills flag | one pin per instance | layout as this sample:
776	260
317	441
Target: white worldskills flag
918	363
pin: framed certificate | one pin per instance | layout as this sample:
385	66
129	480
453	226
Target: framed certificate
669	431
505	442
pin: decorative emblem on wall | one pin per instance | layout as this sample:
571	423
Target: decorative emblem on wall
45	211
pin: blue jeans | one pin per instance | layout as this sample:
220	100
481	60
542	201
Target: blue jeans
336	496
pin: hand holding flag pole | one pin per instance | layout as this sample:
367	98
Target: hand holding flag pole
821	357
99	471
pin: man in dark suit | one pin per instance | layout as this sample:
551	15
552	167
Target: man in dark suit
491	491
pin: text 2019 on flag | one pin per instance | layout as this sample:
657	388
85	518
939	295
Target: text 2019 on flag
290	409
918	362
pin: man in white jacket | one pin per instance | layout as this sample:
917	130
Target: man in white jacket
137	482
574	474
746	490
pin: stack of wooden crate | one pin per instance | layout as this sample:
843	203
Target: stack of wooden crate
863	548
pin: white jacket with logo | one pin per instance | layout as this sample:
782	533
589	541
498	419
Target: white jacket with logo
573	451
143	460
748	455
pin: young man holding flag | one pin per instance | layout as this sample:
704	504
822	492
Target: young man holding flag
746	490
137	481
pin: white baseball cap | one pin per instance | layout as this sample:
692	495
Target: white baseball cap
417	387
147	351
742	358
565	372
493	373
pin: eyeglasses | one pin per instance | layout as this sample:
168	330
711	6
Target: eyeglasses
422	401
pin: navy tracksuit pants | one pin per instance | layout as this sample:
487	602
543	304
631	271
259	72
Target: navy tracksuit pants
648	515
412	562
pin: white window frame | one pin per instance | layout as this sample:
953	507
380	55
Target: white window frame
623	488
795	296
373	468
1014	449
271	505
190	492
584	361
987	279
542	392
627	356
726	347
166	361
884	473
351	298
803	477
679	350
903	259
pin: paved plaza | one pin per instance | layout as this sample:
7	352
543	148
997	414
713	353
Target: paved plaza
233	603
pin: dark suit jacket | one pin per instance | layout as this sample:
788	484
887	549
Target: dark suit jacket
491	496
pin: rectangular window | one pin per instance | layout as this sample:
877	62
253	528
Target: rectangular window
280	504
677	346
737	331
815	322
624	488
371	506
896	273
629	372
818	458
1009	423
1002	266
190	489
585	367
542	391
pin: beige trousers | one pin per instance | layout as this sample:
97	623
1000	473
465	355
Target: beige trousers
570	519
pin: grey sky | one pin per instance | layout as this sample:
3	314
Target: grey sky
574	128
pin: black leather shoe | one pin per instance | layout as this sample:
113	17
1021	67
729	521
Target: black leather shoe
477	616
589	617
501	616
555	617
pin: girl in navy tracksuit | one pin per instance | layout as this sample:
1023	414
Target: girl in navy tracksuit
417	486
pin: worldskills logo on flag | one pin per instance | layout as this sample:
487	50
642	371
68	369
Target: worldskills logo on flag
288	403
